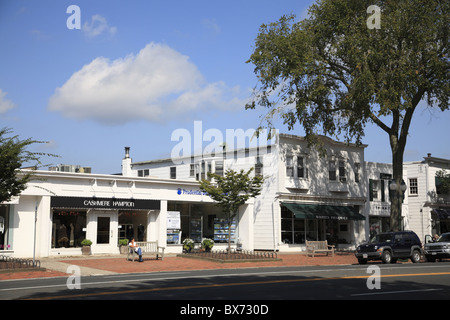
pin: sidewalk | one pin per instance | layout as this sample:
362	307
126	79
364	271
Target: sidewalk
101	265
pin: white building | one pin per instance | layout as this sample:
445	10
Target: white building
307	194
427	210
327	193
60	209
378	204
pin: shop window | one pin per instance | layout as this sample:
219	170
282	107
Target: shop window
5	243
67	228
198	221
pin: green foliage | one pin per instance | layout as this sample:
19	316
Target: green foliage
443	182
232	190
86	242
333	75
207	243
13	155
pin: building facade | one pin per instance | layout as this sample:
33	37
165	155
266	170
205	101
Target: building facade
426	208
308	193
323	193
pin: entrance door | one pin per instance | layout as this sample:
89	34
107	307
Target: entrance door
104	232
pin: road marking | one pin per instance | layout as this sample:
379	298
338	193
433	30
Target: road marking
84	295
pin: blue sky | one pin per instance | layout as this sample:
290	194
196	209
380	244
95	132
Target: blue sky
137	70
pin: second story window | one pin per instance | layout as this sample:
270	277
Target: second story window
342	176
332	170
301	170
289	166
173	172
259	166
413	187
357	168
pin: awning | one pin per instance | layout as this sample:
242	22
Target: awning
313	211
443	214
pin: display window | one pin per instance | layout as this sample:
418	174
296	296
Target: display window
5	243
68	228
199	221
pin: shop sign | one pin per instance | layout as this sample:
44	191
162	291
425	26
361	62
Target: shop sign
104	203
191	192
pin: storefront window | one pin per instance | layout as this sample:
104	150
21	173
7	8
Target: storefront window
296	231
68	228
5	244
199	221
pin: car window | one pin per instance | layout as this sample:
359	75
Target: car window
406	238
444	238
381	238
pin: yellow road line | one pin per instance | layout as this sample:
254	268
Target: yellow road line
104	293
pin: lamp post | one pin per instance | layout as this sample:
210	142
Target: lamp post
398	191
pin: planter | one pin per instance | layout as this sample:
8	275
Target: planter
86	250
123	249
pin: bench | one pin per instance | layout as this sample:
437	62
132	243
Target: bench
319	247
147	248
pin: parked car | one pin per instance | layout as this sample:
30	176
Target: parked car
438	249
390	246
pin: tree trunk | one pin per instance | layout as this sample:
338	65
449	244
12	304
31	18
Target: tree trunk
397	148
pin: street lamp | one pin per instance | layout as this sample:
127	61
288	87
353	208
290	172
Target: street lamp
398	191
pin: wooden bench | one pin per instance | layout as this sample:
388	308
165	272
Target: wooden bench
147	248
319	247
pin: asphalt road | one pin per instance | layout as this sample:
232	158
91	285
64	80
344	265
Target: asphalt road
258	285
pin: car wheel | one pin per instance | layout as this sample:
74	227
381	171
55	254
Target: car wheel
415	257
386	257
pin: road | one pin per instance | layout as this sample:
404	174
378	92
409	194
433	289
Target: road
395	281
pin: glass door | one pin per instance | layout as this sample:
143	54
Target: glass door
103	230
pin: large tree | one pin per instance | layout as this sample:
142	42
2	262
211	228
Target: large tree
335	71
231	191
14	155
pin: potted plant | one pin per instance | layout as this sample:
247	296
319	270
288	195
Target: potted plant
123	245
86	247
207	244
188	245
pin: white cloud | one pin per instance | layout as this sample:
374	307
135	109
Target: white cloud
157	84
97	26
5	104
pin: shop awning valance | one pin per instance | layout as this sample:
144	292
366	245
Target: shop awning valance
330	212
443	214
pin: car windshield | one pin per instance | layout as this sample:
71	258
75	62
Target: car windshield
444	238
386	237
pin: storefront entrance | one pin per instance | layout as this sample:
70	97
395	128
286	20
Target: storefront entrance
102	230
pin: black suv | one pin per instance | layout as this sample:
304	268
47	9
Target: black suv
390	246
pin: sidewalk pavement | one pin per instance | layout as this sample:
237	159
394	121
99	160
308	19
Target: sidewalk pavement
114	264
